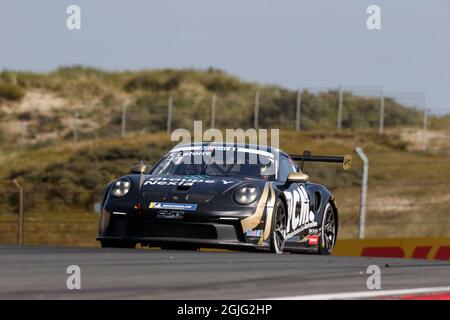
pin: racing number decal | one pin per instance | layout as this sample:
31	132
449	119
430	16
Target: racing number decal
300	217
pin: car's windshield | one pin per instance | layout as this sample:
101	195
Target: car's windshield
211	162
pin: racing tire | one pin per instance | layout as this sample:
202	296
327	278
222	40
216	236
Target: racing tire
278	228
329	231
118	244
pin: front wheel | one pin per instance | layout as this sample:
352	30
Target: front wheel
329	231
278	228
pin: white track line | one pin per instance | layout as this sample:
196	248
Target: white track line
364	294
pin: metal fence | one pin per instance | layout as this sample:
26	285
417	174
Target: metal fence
311	108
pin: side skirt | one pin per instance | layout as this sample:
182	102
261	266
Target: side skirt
301	249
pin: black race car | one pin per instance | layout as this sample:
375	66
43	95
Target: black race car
222	195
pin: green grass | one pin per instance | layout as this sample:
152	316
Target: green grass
51	228
11	92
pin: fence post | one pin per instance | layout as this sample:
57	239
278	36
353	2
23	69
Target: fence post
20	221
381	128
362	204
213	111
124	120
75	129
169	115
340	107
425	129
298	110
256	116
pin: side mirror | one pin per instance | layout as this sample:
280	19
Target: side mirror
299	177
140	168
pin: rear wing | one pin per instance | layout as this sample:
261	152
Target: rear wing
306	156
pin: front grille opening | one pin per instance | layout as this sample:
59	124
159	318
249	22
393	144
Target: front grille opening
171	230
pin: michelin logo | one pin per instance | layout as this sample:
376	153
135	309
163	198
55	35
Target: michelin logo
173	206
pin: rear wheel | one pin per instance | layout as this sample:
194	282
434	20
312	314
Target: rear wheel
118	244
278	228
329	231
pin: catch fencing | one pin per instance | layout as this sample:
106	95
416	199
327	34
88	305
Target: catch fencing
310	108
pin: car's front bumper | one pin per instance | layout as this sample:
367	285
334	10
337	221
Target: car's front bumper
183	242
207	231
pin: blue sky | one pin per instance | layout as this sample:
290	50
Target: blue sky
293	43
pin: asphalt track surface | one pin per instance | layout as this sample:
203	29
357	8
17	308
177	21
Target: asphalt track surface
40	273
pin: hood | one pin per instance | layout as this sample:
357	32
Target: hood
187	188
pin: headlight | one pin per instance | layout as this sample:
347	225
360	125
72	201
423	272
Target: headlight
246	194
121	187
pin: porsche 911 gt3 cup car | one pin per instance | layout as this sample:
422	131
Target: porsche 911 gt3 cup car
222	195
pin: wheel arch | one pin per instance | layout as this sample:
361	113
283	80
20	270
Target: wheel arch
283	199
106	191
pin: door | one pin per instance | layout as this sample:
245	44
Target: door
300	210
